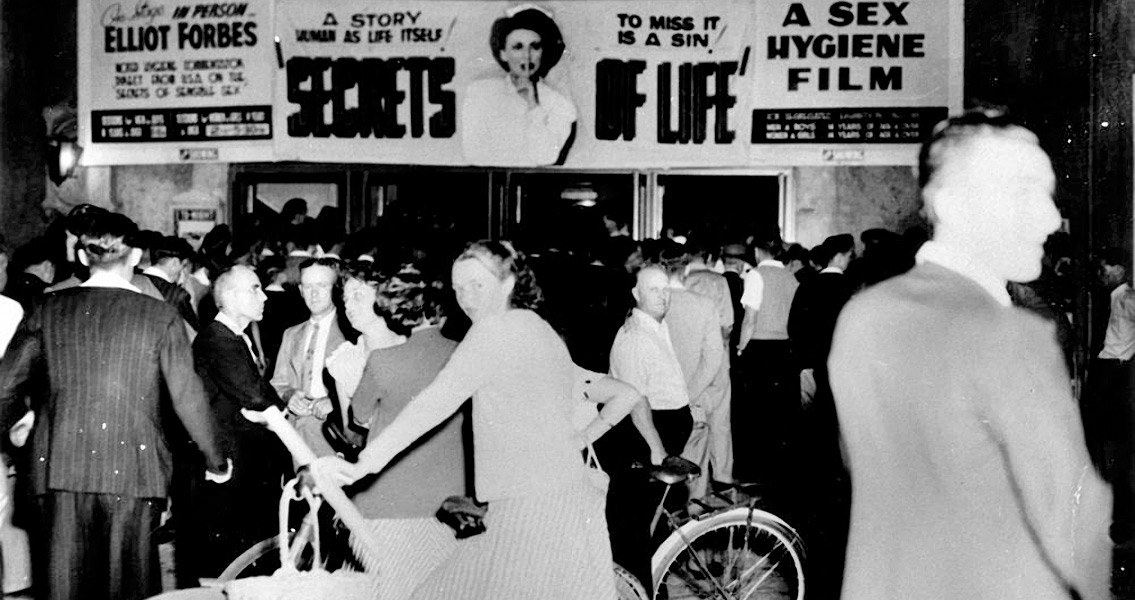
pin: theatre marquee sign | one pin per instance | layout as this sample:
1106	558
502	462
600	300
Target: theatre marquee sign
633	84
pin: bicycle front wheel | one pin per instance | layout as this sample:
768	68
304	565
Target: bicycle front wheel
627	586
263	558
739	554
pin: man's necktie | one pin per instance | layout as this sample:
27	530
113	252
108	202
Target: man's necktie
309	360
252	352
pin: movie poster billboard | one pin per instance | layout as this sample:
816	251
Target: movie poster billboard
846	81
168	81
573	84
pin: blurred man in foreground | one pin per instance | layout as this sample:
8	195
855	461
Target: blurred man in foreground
970	477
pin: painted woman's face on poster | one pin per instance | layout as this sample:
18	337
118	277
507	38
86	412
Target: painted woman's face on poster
523	51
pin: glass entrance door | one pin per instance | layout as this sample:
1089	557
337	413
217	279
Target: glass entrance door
720	208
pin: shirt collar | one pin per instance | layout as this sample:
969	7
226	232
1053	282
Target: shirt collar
107	279
957	260
228	322
324	320
770	262
156	272
642	319
832	270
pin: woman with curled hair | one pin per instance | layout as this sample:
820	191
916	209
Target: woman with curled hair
362	308
400	503
546	532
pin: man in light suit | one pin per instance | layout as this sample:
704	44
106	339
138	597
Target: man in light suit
964	442
100	467
298	376
695	332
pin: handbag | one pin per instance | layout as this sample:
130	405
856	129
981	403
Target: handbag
289	583
595	473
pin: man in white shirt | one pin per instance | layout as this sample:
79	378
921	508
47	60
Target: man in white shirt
298	376
1107	400
643	356
768	399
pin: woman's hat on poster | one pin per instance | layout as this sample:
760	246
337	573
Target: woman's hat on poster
532	18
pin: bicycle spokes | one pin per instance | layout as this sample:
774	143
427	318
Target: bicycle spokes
734	562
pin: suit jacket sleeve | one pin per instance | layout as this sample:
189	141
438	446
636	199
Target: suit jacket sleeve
712	352
188	393
227	363
184	306
282	381
1036	424
799	318
18	366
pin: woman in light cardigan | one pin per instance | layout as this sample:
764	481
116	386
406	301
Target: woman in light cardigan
546	531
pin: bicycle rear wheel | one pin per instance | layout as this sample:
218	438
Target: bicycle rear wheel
739	554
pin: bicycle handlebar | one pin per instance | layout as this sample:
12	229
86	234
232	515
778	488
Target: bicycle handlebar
331	492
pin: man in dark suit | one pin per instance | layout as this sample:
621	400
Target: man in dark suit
811	320
283	308
100	470
168	258
824	490
228	520
74	226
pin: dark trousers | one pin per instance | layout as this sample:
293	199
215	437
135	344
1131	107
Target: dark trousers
822	491
1108	412
766	413
632	497
674	427
628	498
95	546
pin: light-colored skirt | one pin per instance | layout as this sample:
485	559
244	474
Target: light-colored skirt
409	551
554	545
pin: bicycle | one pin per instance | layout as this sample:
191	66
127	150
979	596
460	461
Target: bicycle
263	558
705	555
727	548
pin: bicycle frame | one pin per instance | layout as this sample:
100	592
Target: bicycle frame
329	490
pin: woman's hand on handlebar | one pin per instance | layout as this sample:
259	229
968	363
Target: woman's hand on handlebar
336	470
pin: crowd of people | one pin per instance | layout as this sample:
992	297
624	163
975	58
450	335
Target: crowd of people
876	393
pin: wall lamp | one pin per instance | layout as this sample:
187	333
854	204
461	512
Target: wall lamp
62	159
63	151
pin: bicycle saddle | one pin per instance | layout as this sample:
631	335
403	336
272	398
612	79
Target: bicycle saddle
675	469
